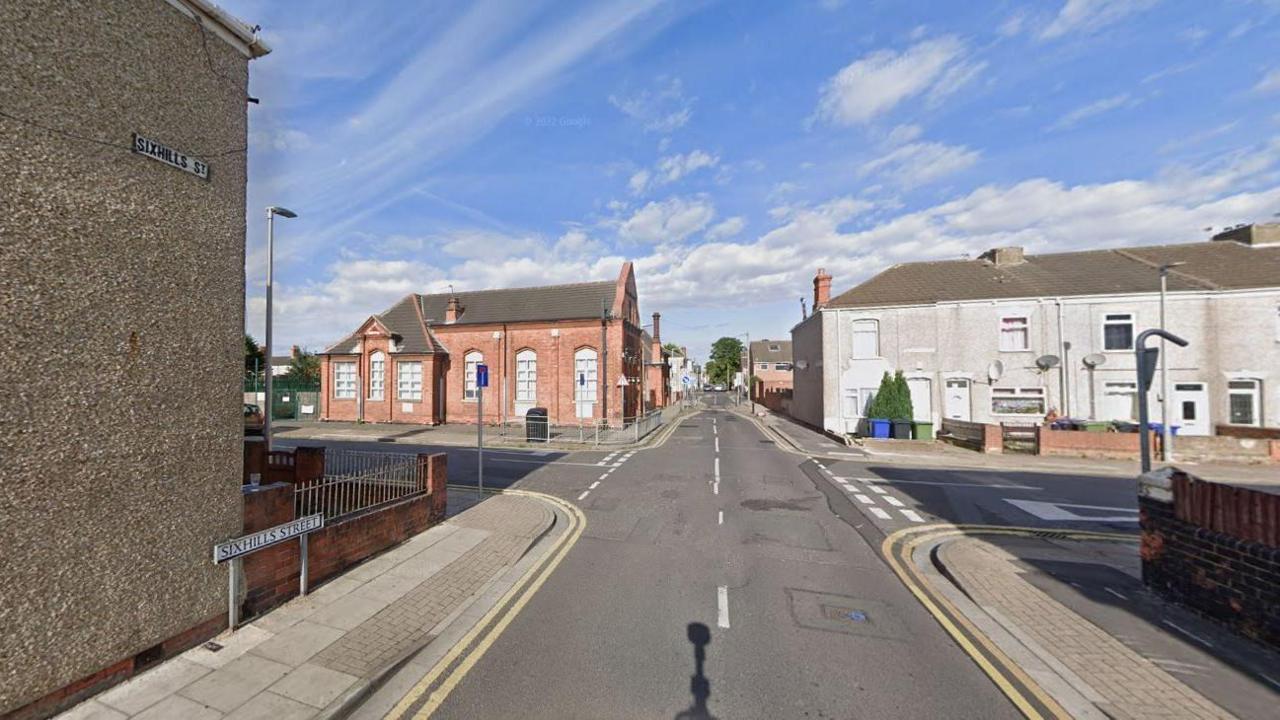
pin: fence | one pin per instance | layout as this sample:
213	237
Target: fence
592	431
289	401
356	482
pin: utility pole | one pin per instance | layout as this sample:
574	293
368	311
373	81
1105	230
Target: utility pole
1166	432
271	227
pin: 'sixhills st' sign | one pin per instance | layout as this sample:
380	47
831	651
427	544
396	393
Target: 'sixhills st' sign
169	156
250	543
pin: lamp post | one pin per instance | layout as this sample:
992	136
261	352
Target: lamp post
746	373
1166	433
271	224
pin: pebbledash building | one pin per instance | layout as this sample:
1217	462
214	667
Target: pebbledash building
576	350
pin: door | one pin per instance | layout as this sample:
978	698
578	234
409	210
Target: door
957	403
1191	409
921	399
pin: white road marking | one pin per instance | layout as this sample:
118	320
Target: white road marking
912	515
584	494
717	469
722	601
1188	633
952	484
1113	592
893	501
879	513
720	518
878	490
604	476
715	488
594	485
865	500
837	478
714	430
1058	511
536	462
717	444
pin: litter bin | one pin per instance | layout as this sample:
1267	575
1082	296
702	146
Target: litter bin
537	428
879	428
922	430
901	429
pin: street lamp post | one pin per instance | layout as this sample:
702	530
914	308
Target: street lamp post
1166	433
271	224
746	374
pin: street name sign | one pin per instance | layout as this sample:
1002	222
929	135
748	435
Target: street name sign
266	538
170	157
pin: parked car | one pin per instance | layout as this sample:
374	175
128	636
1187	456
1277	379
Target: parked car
719	388
253	420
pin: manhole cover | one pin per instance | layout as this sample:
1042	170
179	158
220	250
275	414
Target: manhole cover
844	614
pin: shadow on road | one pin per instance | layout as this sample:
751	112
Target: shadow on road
700	636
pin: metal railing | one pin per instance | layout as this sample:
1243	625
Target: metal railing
356	482
590	431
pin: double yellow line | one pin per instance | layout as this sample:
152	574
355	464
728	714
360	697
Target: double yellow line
431	691
898	549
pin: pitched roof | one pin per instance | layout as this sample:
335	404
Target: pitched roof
1215	265
761	351
548	302
402	320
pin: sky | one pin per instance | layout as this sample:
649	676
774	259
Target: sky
730	149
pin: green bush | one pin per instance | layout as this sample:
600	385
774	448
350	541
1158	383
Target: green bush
893	398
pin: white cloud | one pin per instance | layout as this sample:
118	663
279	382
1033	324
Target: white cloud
279	139
1097	107
1269	82
1091	15
920	163
670	169
671	220
726	229
664	109
902	134
876	83
1013	24
638	182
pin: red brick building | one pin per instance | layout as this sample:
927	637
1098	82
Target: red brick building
769	361
560	347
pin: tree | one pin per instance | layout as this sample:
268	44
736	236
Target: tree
304	369
253	359
902	398
673	349
881	405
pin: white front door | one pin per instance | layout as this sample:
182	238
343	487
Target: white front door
957	402
921	399
1191	409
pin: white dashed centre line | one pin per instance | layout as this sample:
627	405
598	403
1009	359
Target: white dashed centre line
604	476
594	485
912	515
865	500
878	490
717	444
720	518
1113	592
893	501
879	513
584	494
722	602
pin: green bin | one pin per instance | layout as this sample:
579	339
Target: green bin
922	430
1096	426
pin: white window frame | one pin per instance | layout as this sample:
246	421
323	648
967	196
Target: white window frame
527	377
859	327
782	366
1019	393
377	375
344	380
469	363
409	380
1007	331
861	397
1112	388
762	366
1107	320
1255	395
586	360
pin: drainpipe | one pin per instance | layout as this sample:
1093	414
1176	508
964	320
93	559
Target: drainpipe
1063	347
506	349
603	370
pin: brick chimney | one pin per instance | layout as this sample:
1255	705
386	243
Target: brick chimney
657	340
452	310
1003	257
821	289
657	335
1254	235
295	351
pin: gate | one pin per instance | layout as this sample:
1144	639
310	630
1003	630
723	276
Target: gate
1023	439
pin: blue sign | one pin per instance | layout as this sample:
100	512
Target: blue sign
582	378
482	376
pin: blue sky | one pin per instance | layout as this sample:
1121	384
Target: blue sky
730	149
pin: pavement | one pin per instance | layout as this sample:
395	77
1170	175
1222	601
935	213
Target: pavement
320	655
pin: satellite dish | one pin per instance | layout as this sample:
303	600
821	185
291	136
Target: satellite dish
1094	360
1044	362
995	370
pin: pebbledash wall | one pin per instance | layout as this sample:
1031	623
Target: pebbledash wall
120	433
1214	548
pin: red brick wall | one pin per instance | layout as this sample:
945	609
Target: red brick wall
983	437
391	408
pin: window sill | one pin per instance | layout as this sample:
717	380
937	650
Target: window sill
1010	352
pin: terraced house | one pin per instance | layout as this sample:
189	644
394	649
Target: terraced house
575	350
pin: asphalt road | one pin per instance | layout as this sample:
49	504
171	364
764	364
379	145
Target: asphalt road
800	617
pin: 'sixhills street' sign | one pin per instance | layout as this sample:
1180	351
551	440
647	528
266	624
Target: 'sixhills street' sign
169	156
251	543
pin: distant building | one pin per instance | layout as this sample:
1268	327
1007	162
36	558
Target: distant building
682	366
575	350
769	362
1010	337
122	168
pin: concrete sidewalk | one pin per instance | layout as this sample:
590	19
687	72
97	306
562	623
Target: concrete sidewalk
1075	617
319	655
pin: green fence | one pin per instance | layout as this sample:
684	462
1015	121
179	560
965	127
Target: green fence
290	401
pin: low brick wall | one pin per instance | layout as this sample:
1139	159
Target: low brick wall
271	575
1227	447
1214	548
1248	431
983	437
1078	443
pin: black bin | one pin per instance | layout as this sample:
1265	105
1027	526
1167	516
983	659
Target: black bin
901	429
537	428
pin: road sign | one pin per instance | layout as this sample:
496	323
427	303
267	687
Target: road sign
278	534
582	378
686	380
482	376
622	381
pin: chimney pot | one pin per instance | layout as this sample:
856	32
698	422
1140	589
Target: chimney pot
1253	235
657	336
821	289
1004	256
452	310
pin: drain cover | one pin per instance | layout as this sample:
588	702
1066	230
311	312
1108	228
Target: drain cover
844	614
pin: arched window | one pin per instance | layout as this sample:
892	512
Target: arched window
585	381
470	361
377	375
526	377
